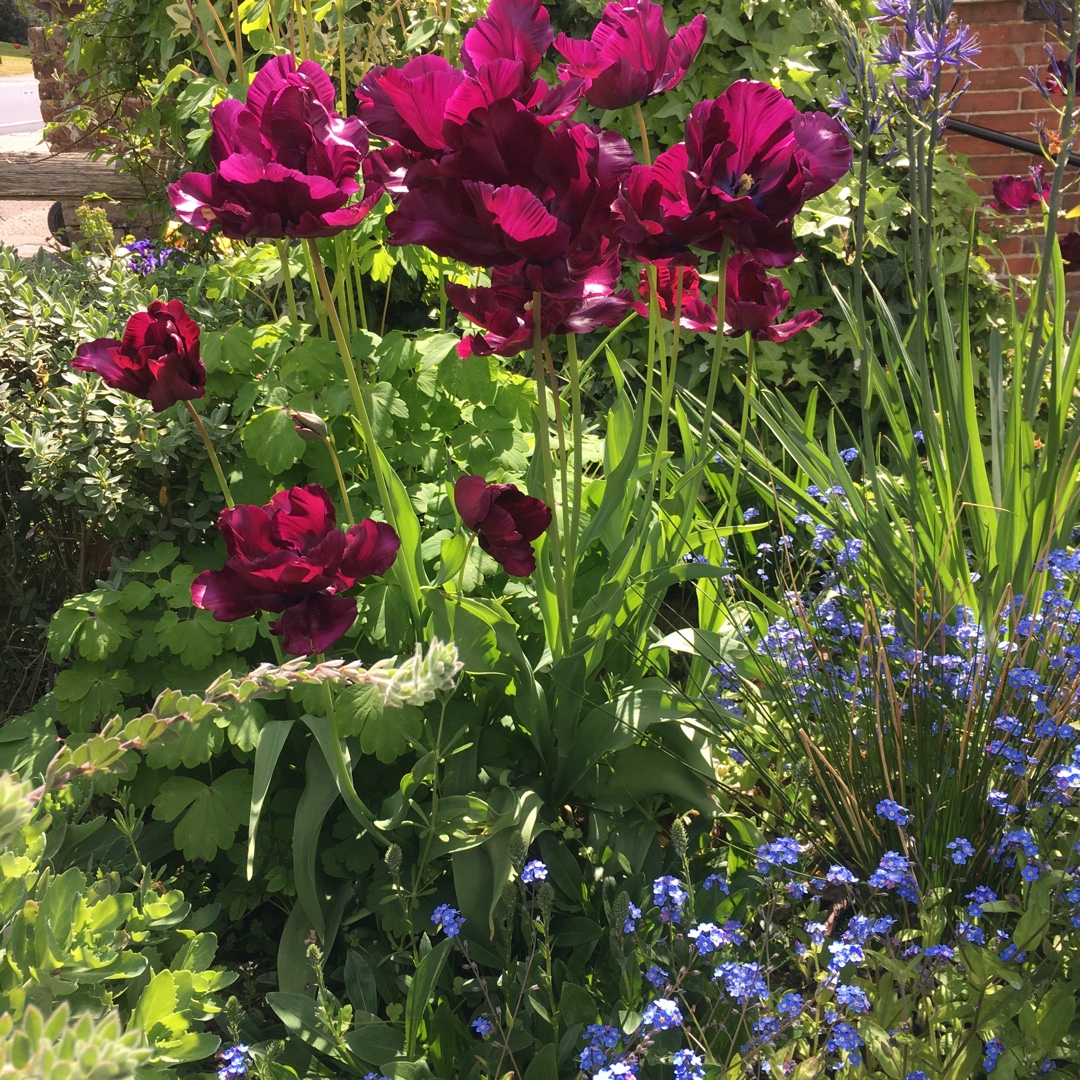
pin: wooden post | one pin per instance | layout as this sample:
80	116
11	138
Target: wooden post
64	177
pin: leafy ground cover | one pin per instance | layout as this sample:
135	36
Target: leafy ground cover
460	647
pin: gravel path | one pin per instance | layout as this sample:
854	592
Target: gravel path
24	225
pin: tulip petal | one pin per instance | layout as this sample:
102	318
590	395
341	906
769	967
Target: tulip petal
511	30
472	498
315	624
371	548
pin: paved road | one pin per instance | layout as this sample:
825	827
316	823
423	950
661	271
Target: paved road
20	110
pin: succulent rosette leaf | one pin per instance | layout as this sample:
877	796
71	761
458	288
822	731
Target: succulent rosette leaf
157	358
289	557
750	162
630	56
505	520
285	162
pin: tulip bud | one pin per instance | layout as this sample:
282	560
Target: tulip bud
309	427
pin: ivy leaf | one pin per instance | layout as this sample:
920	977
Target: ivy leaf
211	812
270	437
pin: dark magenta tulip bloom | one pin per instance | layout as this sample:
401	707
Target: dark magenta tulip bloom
510	188
569	304
285	162
505	520
157	359
694	312
1070	251
630	55
755	300
510	30
289	557
750	162
1015	194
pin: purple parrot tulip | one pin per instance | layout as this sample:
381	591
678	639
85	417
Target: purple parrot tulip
630	56
285	162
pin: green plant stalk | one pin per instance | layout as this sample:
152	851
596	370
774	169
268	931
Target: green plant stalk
549	474
329	443
341	56
206	45
238	58
654	319
577	435
320	304
744	423
718	352
464	564
401	568
290	294
222	482
352	799
645	151
241	71
298	18
1035	367
564	466
342	298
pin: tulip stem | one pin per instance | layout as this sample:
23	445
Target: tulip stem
283	255
645	151
341	481
223	483
238	35
464	564
575	420
654	320
560	434
549	473
344	773
718	348
744	423
320	307
401	568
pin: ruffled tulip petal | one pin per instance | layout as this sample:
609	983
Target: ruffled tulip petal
301	516
371	548
511	30
472	497
315	624
105	357
783	331
226	595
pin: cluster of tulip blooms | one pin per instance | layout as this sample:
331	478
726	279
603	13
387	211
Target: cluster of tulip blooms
484	165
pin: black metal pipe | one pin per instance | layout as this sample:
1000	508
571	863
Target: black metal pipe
1013	142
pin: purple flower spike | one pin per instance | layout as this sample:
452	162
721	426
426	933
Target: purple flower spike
630	55
285	163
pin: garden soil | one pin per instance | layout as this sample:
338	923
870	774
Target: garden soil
24	225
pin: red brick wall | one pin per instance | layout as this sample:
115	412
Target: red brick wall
1013	35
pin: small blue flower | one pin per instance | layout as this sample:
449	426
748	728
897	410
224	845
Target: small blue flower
841	875
993	1049
849	455
939	952
448	919
893	811
751	513
961	849
633	913
715	881
618	1070
234	1062
657	976
661	1015
791	1004
533	871
482	1026
669	895
688	1066
854	997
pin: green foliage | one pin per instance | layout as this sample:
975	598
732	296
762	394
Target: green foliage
42	1047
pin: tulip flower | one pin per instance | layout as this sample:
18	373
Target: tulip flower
1070	251
750	162
510	30
289	557
1015	194
569	304
694	312
630	56
509	188
285	162
157	359
505	520
754	301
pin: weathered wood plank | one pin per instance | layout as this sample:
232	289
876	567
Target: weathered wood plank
67	177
